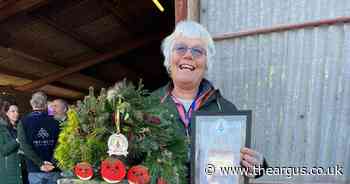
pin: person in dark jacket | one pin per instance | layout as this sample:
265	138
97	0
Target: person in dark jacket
188	53
38	134
10	161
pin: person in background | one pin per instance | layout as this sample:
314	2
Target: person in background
188	54
38	134
49	108
59	110
10	160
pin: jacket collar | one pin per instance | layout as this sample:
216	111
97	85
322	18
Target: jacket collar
3	122
206	91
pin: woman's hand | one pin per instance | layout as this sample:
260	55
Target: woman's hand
250	159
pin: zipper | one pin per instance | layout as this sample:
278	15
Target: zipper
188	144
219	105
187	133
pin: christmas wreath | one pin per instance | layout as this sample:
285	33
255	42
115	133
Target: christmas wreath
154	148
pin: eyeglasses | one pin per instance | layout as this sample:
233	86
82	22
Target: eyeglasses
196	52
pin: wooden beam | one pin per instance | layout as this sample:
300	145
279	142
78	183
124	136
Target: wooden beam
61	92
33	77
53	90
76	76
117	14
70	87
193	11
5	3
20	6
280	28
18	74
84	81
5	38
180	10
85	64
69	32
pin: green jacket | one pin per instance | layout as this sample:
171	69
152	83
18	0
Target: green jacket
10	161
213	103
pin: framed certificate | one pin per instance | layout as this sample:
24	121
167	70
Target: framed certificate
216	142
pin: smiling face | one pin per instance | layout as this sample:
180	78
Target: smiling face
12	114
188	68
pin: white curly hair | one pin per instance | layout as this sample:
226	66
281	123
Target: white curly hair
188	29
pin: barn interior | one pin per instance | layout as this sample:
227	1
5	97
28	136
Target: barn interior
64	47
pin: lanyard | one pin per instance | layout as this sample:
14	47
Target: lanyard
185	116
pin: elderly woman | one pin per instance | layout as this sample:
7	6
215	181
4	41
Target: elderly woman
188	53
10	161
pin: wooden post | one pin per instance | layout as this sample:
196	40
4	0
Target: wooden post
193	10
180	10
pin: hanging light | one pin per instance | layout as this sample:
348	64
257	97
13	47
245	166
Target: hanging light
159	6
